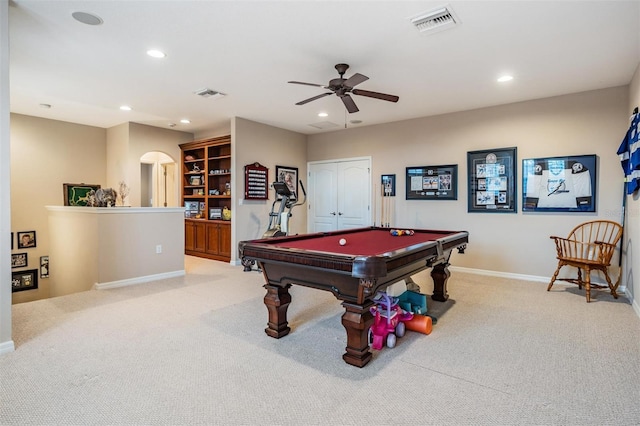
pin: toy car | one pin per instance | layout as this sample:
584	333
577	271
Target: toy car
388	323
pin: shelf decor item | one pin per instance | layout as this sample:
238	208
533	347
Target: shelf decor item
77	194
492	180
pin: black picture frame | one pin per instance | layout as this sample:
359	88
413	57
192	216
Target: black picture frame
44	266
288	175
19	260
76	194
560	184
492	175
432	182
388	185
24	280
26	239
215	213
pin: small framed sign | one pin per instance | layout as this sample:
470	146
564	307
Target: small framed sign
24	280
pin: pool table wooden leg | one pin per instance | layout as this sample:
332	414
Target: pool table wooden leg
277	301
440	274
357	320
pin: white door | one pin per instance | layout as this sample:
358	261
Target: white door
339	195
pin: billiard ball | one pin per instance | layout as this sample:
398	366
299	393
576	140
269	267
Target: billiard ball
342	241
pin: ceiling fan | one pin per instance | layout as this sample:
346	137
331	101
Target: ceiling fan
342	87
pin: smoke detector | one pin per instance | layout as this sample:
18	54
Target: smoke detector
435	20
208	93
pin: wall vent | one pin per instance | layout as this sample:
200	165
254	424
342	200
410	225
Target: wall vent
436	20
208	93
324	125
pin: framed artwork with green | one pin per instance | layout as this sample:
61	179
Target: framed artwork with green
76	194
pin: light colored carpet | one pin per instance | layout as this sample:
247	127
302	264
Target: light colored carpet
192	351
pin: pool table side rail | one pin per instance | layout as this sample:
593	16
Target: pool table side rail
432	252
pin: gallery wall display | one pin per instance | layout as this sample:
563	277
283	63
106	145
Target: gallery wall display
24	280
77	194
563	184
492	181
26	239
432	182
288	175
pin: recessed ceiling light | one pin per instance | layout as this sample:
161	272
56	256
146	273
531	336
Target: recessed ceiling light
125	108
505	78
154	53
323	114
185	121
87	18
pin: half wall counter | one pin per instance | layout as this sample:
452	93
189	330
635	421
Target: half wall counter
106	247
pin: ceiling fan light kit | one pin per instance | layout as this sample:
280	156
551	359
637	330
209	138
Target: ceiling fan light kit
341	87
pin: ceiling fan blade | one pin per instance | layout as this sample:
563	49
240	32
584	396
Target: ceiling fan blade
306	84
349	104
376	95
314	98
355	79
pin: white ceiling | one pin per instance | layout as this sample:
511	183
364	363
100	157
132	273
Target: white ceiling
250	49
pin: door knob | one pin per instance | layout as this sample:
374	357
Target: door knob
333	213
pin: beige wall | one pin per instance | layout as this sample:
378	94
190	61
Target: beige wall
632	223
105	246
6	344
584	123
270	146
44	155
47	153
126	148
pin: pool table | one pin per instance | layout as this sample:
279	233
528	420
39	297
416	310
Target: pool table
371	260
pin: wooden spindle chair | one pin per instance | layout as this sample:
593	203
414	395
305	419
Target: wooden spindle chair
589	247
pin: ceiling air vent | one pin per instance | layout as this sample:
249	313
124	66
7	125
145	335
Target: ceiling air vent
208	93
435	20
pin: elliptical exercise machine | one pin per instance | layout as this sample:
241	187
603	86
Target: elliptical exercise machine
279	220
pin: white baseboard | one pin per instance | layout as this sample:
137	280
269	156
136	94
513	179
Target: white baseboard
500	274
138	280
6	347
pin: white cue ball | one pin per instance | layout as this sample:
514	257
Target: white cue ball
342	241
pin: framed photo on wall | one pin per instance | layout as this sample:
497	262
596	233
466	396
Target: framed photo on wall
388	183
492	177
559	184
44	266
24	280
432	182
19	260
288	175
26	239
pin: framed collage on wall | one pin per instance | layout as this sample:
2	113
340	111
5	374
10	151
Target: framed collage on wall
432	182
559	184
492	181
